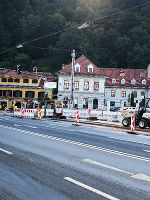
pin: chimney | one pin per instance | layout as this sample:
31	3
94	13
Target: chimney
148	71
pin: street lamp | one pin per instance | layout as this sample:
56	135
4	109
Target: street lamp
72	78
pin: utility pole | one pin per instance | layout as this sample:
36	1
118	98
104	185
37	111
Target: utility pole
72	78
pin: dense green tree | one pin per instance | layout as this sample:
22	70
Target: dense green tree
121	40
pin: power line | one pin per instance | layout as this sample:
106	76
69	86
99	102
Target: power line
76	26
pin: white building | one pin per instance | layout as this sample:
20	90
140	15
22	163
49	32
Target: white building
88	85
122	82
102	87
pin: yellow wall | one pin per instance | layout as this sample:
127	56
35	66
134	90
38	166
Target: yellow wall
13	88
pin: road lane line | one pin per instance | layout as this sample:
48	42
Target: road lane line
141	177
146	150
106	166
5	151
86	145
107	196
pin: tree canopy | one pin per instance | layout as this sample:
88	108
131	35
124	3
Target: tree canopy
120	40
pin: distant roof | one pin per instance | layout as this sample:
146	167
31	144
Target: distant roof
129	75
7	73
84	63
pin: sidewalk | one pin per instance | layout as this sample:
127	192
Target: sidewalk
107	124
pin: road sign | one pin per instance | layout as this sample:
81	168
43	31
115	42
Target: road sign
50	85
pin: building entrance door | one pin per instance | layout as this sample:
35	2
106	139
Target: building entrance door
95	104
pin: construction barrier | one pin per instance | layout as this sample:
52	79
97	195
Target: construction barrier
5	112
39	114
132	123
77	117
22	112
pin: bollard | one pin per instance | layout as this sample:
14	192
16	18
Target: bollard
22	112
39	114
5	113
132	123
77	117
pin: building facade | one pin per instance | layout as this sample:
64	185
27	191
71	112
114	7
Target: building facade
22	89
122	83
102	87
88	81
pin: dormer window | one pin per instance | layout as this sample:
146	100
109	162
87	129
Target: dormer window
123	81
133	81
142	74
90	68
77	68
113	80
144	82
121	73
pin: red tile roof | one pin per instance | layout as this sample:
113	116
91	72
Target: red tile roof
110	73
6	73
129	74
84	63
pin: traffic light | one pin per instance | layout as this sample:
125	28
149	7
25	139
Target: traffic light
18	69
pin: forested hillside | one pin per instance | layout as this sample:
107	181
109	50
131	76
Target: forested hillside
121	40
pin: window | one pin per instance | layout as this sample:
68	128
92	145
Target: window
76	85
123	94
25	80
123	81
17	93
40	95
7	93
86	85
135	94
122	73
0	93
144	82
133	81
112	103
85	103
77	68
17	80
35	81
10	80
143	94
96	86
142	74
66	84
30	94
113	80
4	79
90	68
112	93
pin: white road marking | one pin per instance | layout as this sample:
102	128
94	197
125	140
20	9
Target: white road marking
146	150
107	196
141	177
84	145
106	166
132	141
17	125
5	151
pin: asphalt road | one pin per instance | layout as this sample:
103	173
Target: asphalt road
46	160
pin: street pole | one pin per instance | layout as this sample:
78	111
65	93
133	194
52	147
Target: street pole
72	78
45	104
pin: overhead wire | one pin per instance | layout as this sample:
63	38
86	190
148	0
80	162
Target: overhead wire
75	26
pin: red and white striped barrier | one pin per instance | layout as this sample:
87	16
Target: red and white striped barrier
22	112
5	112
77	117
132	123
